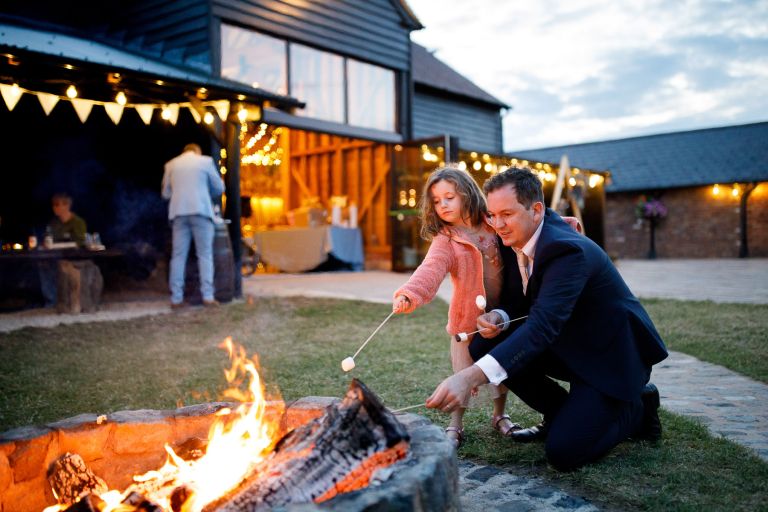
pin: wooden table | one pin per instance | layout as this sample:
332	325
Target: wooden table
20	270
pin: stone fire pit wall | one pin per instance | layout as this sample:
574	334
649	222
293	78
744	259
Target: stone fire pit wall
130	443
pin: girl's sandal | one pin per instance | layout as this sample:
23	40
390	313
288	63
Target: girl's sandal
496	423
456	435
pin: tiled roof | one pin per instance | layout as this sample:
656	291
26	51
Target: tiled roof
727	154
430	71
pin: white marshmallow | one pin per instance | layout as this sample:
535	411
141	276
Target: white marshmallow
480	302
463	336
347	364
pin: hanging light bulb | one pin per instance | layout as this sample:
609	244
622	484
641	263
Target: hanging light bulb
166	113
715	189
208	118
121	99
242	115
71	92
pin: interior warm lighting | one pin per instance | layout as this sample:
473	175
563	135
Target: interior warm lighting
223	170
121	99
159	82
595	180
735	191
166	113
71	92
202	93
208	118
69	66
463	165
488	167
572	181
242	115
715	189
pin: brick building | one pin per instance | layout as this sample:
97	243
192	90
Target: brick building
713	183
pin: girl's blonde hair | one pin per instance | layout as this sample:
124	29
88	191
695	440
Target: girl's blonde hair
473	205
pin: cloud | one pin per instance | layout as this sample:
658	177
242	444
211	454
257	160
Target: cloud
585	70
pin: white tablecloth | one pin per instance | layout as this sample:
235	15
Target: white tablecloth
302	249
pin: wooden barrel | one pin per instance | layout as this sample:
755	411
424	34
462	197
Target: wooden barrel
223	270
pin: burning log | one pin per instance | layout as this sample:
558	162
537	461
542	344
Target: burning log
336	453
71	479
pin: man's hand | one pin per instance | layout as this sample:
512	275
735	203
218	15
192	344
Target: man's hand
454	391
488	324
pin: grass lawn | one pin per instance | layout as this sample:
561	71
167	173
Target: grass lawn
160	362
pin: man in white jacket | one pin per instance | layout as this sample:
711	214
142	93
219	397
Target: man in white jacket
191	182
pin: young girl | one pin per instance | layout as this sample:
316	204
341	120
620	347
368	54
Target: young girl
453	216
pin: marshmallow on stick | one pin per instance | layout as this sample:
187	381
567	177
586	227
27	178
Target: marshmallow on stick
480	302
347	364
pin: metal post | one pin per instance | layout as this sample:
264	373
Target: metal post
232	184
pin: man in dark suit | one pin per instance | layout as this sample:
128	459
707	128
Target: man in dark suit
584	326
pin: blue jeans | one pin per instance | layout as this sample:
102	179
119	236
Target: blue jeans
186	227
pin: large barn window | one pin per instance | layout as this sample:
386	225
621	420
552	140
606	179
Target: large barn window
318	79
254	59
335	88
371	95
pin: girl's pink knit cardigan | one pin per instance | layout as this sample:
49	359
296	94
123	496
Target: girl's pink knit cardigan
452	255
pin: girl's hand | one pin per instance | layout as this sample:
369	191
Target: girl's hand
400	304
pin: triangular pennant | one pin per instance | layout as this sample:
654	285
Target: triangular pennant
11	94
195	114
83	108
222	108
114	111
47	101
145	112
173	108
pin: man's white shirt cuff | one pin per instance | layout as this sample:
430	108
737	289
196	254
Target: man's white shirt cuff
492	369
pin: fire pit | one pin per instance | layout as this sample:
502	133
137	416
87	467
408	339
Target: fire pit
128	443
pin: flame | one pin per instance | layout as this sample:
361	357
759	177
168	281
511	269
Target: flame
237	441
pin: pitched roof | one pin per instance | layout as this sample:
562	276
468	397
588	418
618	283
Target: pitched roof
728	154
430	71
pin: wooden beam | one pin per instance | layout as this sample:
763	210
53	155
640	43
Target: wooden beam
381	175
342	146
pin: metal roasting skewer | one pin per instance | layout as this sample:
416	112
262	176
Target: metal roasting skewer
373	334
349	362
466	334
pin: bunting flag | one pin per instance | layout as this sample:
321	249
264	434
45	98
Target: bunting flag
145	112
195	113
47	101
173	108
11	94
82	107
222	108
114	111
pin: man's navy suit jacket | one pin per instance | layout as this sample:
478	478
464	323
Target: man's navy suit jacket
578	307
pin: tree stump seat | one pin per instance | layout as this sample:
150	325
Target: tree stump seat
79	286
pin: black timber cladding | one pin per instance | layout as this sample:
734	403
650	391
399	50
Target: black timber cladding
477	127
371	30
730	154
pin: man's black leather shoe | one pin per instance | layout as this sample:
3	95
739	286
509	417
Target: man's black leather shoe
529	434
650	429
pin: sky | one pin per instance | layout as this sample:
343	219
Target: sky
591	70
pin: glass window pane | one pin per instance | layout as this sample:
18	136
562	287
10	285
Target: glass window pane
254	59
317	78
371	92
